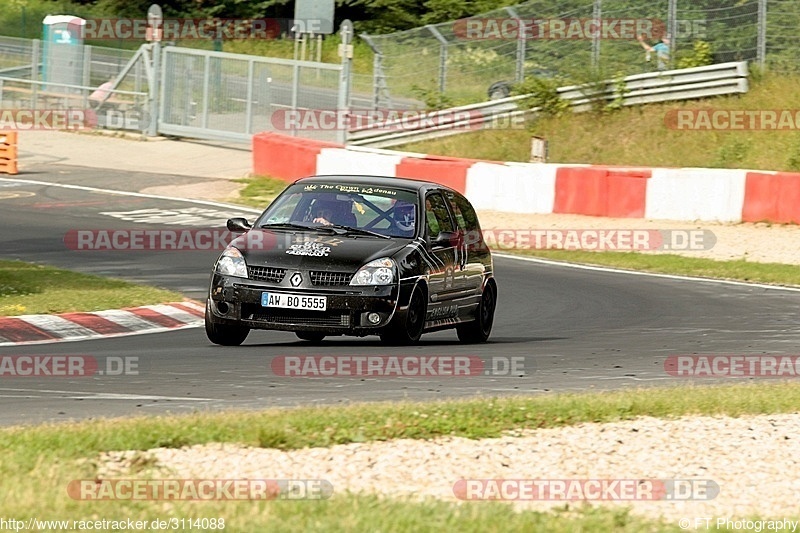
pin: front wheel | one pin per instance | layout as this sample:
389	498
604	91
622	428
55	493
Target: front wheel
224	334
409	331
479	329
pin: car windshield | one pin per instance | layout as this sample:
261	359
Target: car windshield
382	210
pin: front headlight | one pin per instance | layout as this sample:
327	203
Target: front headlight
232	263
378	272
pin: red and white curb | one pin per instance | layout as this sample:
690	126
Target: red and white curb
42	329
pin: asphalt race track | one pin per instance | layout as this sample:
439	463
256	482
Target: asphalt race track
576	329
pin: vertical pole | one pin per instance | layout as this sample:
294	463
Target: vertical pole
761	56
672	27
206	80
442	57
35	59
346	32
87	65
248	119
156	97
597	13
295	84
519	71
34	70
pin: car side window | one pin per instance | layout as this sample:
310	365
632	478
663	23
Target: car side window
436	215
466	217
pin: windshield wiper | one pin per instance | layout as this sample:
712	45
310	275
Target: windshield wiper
350	229
290	225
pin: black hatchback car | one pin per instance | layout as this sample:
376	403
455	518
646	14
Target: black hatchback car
345	255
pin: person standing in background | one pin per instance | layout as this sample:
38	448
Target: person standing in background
660	49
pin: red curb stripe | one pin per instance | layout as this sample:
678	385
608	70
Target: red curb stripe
155	317
196	312
16	330
95	323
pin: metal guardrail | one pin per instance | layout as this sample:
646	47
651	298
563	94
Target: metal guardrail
654	87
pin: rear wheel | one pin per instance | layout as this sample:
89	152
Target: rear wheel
310	336
409	330
479	329
224	334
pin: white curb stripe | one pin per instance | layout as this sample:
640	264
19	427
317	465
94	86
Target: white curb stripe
173	312
56	325
127	319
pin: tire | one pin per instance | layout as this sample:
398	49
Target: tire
409	330
478	330
224	334
310	336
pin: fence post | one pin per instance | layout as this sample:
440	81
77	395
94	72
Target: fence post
153	97
597	13
761	53
442	57
672	29
248	119
519	71
346	50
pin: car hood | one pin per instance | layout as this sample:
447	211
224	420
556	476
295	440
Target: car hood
301	250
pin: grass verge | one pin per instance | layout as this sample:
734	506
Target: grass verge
27	288
259	191
737	269
38	462
640	135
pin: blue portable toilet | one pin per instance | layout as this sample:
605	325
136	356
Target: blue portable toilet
62	51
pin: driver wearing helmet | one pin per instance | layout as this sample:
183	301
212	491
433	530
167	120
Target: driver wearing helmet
404	216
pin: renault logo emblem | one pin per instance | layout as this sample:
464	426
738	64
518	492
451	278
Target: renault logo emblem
296	279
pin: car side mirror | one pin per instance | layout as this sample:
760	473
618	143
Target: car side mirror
445	239
238	224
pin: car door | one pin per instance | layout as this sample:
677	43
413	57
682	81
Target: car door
441	254
471	257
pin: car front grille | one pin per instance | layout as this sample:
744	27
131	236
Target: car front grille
330	279
269	274
295	316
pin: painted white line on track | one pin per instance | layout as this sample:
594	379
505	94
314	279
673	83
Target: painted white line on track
107	395
136	194
640	273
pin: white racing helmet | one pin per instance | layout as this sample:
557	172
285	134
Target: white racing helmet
405	216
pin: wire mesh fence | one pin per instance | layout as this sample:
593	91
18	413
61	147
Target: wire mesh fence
579	40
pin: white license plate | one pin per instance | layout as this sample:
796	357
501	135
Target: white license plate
294	301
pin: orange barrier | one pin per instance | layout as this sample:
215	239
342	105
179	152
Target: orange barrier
284	157
601	191
773	197
8	152
449	171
